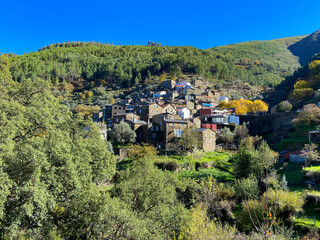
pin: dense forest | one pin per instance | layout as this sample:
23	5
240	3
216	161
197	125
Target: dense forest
258	63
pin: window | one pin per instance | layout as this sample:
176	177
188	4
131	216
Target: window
151	111
207	134
119	108
156	106
181	124
211	139
207	140
178	132
172	124
117	120
139	110
211	134
122	119
115	107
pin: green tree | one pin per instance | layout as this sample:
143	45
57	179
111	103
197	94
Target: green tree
226	135
284	106
46	157
188	141
122	134
254	160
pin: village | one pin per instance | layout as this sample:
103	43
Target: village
160	117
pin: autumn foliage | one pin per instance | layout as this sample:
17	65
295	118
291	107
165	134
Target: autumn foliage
243	106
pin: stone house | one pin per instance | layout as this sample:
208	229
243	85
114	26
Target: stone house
190	105
147	110
169	84
168	108
140	128
206	139
172	130
125	117
118	108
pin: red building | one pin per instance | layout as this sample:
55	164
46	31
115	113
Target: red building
210	126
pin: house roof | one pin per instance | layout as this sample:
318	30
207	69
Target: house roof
138	122
125	114
202	129
174	121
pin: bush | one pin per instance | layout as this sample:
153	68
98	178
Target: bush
247	188
284	106
287	203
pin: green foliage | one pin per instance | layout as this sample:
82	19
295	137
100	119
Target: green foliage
225	135
309	116
287	203
255	161
188	141
122	133
152	193
128	65
284	106
205	173
262	59
47	157
201	227
247	188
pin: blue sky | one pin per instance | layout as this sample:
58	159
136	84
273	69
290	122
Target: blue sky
26	26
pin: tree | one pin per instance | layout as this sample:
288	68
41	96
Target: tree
122	134
188	141
310	153
47	157
309	116
284	106
241	132
151	193
247	188
254	160
87	111
201	227
225	135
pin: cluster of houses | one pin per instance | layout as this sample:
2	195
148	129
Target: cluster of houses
159	118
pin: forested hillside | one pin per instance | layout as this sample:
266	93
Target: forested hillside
307	47
258	63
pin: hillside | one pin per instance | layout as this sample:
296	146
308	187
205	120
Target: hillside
257	63
270	61
306	48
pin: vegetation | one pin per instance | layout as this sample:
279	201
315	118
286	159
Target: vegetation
243	106
122	134
60	180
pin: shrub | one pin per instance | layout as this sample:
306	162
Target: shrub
284	106
247	188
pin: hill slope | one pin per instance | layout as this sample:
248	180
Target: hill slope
258	63
306	48
267	59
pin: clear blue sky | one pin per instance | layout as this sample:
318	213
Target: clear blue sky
26	26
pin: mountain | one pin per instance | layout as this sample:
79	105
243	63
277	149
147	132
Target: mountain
306	48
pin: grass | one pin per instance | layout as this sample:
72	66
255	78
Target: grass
195	167
307	222
205	173
313	169
293	174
